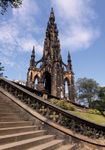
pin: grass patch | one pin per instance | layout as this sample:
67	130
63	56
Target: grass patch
92	115
99	119
63	104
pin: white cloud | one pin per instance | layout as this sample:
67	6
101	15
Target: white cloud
79	37
7	32
27	44
17	33
25	16
75	10
27	9
20	31
77	19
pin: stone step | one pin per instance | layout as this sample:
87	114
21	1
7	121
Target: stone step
8	111
13	130
15	124
67	147
25	144
6	106
2	115
85	147
3	104
48	146
10	118
20	136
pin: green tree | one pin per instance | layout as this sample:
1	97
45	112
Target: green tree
87	89
101	93
100	103
4	4
1	70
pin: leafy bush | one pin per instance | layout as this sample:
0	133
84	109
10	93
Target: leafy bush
63	104
99	104
94	111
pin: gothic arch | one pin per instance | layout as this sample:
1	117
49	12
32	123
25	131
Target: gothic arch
66	88
47	81
36	80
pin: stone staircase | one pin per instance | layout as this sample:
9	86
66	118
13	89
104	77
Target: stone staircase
18	133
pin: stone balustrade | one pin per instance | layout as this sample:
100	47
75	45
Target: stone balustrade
54	113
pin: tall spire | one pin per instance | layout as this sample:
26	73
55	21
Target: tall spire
51	43
53	72
69	65
32	61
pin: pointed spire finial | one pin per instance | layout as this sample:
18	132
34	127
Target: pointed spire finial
52	16
69	57
33	51
32	60
69	66
52	10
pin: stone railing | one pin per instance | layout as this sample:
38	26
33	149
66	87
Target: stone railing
54	113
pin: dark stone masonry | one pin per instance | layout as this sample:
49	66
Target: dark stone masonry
53	73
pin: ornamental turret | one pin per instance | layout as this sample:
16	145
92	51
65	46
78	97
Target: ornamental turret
32	60
69	63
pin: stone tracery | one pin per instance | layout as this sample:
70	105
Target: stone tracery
52	66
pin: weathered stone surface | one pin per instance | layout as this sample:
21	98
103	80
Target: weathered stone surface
30	106
20	134
53	73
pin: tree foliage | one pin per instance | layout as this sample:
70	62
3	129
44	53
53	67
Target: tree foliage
101	93
4	4
100	103
1	70
87	89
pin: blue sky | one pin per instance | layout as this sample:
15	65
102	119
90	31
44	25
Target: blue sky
81	25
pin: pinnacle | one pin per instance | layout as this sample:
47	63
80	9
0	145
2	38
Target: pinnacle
33	51
69	62
32	61
52	16
69	57
52	10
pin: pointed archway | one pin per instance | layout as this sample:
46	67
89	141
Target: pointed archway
36	80
47	82
66	88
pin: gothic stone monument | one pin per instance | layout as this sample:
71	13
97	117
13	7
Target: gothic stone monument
53	73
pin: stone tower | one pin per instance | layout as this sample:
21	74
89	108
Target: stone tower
53	73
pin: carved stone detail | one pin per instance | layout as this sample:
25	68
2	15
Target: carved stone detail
51	75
